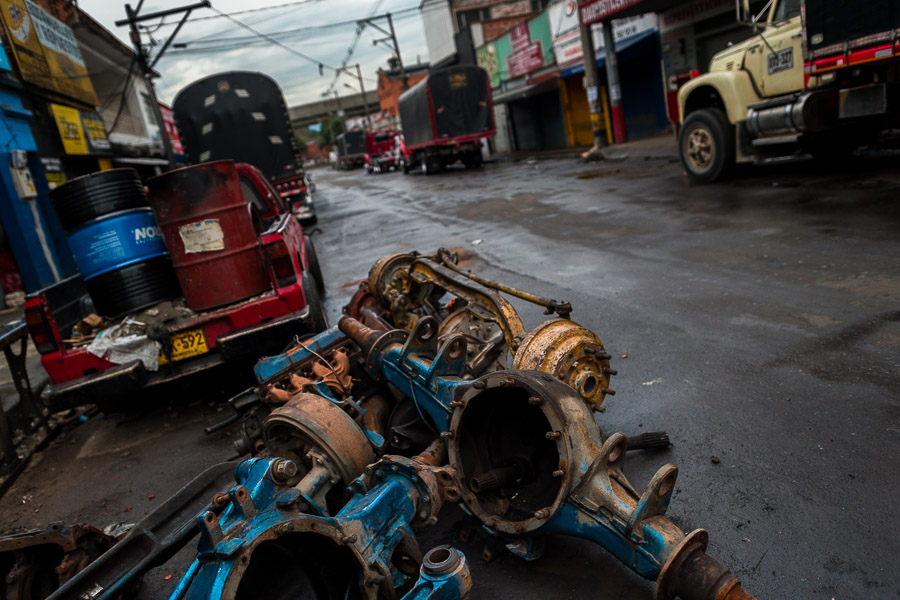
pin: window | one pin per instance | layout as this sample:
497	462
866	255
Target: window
251	196
787	9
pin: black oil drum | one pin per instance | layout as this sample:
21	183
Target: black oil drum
116	241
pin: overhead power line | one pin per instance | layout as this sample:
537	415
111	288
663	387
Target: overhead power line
242	12
274	41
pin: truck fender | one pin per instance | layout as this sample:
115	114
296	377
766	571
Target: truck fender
732	91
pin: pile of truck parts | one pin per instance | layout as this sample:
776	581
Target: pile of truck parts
365	430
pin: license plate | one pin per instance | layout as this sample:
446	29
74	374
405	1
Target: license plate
184	345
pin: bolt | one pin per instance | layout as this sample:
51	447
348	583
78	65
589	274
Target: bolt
283	469
553	435
535	401
509	381
368	470
285	528
478	385
541	514
431	521
423	515
447	435
609	391
609	371
220	499
375	580
457	404
349	539
559	473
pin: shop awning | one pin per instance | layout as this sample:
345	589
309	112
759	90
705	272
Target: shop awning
621	46
545	82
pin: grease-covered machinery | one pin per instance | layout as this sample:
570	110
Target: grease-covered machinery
509	411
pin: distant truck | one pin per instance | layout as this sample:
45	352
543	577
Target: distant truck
192	341
351	149
444	117
242	115
820	76
381	151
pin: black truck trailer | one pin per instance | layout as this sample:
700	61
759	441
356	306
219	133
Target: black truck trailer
242	115
444	118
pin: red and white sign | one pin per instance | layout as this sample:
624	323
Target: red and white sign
171	131
597	10
525	55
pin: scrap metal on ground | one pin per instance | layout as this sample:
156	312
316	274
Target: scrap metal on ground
365	430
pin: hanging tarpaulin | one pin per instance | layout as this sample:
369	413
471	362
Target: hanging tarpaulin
46	51
81	131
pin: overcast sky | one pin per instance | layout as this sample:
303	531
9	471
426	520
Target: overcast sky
320	29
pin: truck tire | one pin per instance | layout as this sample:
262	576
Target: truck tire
706	145
318	321
426	166
314	268
404	167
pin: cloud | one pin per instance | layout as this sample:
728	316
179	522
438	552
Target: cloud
298	78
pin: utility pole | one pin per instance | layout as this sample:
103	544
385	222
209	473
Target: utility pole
147	69
362	88
617	111
392	36
592	84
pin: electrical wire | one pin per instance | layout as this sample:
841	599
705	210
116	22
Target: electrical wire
273	41
243	12
124	95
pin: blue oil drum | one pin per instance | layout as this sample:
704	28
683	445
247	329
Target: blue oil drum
116	241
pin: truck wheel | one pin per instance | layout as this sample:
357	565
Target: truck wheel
318	321
706	145
404	167
314	268
427	168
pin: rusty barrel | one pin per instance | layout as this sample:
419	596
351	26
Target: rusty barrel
208	229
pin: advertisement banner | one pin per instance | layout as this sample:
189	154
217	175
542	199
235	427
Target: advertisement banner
46	51
171	131
564	26
511	9
492	29
81	132
526	48
596	10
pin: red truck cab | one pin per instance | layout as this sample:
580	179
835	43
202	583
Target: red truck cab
192	341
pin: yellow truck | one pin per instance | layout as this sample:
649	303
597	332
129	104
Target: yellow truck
817	76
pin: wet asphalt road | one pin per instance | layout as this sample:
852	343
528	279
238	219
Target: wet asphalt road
756	321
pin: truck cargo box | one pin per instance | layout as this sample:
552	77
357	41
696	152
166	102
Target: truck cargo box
449	104
831	23
239	115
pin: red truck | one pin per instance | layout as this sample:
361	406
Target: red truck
192	341
381	151
444	117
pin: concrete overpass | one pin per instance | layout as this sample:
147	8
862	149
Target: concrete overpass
352	106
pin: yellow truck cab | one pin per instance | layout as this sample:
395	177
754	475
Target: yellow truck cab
818	76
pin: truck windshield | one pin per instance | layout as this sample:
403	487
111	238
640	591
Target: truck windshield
787	9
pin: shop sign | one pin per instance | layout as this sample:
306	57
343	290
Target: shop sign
526	55
492	29
511	9
46	51
596	10
524	49
171	131
82	132
567	36
53	171
692	12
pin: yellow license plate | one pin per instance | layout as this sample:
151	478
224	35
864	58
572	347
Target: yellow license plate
184	345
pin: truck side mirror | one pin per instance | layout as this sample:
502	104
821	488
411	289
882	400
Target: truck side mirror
743	14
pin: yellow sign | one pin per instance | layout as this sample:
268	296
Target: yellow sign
46	50
68	121
81	132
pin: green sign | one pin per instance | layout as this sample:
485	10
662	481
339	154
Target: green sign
526	48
